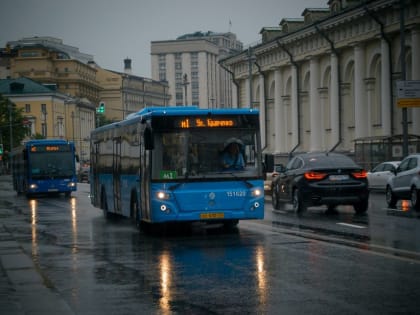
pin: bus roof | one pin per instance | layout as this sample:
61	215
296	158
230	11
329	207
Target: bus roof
44	141
160	111
189	110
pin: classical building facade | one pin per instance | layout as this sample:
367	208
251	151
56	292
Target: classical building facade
51	114
124	93
79	85
323	81
48	60
190	65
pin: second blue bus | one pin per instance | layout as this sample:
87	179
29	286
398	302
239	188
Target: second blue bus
45	166
163	164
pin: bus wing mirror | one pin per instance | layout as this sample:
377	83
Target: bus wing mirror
148	139
25	154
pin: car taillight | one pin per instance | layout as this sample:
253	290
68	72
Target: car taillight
360	174
315	175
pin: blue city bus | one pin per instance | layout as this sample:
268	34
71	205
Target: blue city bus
45	166
163	164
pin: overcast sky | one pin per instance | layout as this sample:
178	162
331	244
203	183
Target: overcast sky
113	30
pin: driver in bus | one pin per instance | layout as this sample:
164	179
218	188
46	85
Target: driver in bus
232	158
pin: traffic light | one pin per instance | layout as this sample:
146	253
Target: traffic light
101	108
1	149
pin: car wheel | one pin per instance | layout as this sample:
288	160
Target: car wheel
298	205
391	199
274	197
415	198
361	207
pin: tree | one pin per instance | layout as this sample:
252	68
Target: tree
19	130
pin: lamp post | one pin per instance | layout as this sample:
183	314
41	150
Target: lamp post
10	125
72	124
185	84
403	76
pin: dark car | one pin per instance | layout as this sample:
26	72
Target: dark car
314	179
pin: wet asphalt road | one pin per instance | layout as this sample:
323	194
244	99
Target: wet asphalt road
282	265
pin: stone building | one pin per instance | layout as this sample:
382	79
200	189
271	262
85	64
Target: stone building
328	79
190	66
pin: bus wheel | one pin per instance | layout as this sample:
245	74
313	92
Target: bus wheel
134	212
104	206
230	224
67	194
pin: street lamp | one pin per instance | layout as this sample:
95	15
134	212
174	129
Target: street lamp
10	125
72	124
185	84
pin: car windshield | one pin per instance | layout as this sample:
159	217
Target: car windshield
196	154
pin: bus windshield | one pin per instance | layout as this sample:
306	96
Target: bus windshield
198	153
46	165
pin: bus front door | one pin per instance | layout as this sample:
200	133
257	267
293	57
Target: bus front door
116	174
145	184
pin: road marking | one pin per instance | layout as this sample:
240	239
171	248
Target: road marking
352	225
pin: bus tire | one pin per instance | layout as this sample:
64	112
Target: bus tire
134	210
230	224
104	206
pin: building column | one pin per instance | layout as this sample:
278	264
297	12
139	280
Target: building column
370	111
359	93
263	121
385	86
335	101
415	42
295	104
248	93
315	110
278	123
234	95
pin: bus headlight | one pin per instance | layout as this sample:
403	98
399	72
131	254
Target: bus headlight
256	192
33	186
161	195
71	184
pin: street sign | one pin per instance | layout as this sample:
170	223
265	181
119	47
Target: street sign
408	93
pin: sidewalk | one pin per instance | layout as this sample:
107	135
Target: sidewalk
23	289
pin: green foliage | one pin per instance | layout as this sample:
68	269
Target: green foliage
19	131
101	120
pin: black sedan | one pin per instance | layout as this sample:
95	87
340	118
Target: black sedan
314	179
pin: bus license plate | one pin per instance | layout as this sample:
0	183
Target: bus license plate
217	215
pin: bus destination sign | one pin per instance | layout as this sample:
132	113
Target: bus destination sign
186	123
49	148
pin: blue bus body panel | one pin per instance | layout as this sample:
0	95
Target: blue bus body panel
207	200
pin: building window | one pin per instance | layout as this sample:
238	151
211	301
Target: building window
44	129
162	75
27	108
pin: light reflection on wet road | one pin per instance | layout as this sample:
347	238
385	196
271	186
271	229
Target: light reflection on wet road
104	267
